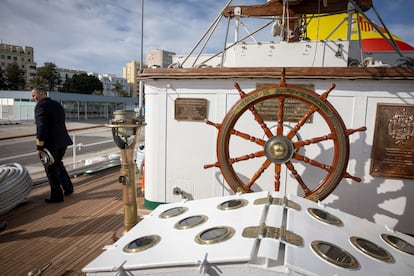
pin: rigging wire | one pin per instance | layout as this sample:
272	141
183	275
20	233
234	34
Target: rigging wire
317	34
225	42
212	25
205	44
389	40
240	40
361	52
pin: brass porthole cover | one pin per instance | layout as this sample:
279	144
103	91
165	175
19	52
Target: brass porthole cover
173	212
215	235
334	254
324	216
398	243
371	249
232	204
142	243
190	222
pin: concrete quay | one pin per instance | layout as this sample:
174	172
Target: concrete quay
21	129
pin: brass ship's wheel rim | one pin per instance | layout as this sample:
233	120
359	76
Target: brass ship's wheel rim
278	147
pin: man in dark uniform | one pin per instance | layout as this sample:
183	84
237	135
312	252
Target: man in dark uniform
52	139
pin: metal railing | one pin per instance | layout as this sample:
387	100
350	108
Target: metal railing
80	146
76	154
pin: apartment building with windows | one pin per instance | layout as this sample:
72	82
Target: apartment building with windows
108	82
159	58
129	72
22	55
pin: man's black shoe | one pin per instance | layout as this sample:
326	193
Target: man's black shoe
66	193
3	226
48	200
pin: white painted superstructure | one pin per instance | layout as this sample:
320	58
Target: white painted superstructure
176	151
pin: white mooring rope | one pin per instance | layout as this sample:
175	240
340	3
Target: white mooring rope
15	186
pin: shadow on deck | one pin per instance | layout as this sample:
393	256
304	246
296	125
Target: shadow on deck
68	234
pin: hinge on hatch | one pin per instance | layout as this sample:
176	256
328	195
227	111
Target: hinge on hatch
281	234
277	201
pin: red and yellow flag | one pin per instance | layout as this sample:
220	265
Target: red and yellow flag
335	27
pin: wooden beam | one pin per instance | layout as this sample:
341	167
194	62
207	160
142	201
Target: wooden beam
275	7
396	73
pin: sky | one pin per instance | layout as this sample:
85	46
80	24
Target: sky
102	36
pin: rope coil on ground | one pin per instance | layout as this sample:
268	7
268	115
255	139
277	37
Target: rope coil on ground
15	186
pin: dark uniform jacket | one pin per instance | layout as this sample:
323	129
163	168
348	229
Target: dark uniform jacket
51	132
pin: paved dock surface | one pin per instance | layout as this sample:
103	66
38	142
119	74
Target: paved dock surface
16	129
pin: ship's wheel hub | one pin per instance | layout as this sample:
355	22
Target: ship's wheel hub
279	149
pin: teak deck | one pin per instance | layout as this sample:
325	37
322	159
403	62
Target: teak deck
68	234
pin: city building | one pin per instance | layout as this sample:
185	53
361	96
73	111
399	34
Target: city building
22	55
130	72
109	81
67	74
159	58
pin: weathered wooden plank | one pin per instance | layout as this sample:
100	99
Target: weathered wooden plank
69	234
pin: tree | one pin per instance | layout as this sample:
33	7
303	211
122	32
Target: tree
3	84
82	84
37	82
14	77
117	87
50	75
97	93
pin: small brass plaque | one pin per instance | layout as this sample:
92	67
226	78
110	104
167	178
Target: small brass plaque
190	109
393	146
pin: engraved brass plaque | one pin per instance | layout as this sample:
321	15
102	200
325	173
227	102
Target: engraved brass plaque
190	109
393	146
293	110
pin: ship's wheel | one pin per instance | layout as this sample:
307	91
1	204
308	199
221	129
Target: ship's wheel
282	147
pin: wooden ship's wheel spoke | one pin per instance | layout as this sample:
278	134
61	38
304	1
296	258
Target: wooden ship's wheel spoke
256	115
302	184
278	148
246	157
246	136
314	140
256	175
313	162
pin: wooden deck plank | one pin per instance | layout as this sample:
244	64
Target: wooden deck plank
69	234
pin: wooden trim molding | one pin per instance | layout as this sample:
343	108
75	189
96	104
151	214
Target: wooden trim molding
395	73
